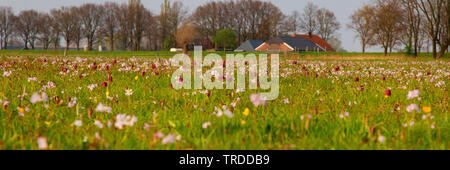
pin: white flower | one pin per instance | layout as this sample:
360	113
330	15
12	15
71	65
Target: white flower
413	94
381	139
32	79
98	124
7	73
92	86
124	120
128	92
72	102
286	101
168	139
257	99
78	123
412	107
42	143
206	125
39	98
102	108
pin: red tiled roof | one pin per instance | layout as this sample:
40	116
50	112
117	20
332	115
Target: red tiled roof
316	39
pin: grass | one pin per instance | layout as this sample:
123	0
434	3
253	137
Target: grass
328	111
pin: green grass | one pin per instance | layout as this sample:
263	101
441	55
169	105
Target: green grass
278	125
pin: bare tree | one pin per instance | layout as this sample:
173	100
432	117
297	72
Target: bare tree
27	27
327	24
388	24
110	23
308	22
361	23
45	27
91	16
413	20
7	21
433	11
64	21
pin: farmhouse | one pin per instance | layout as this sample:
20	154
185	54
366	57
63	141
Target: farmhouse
249	46
317	40
289	44
296	42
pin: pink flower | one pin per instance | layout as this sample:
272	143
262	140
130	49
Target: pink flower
257	99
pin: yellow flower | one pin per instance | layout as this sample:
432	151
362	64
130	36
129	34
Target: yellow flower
47	123
290	85
21	110
243	122
246	112
386	96
426	109
338	100
136	78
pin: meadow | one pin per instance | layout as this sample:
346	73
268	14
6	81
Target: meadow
124	100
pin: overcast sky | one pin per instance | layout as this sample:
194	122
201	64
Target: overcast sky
342	9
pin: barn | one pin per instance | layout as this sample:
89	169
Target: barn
249	46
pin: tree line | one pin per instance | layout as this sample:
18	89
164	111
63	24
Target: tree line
404	23
130	26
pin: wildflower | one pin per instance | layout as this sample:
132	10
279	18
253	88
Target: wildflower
413	94
128	92
412	107
228	113
286	101
72	102
104	84
39	98
387	93
168	139
243	122
124	120
98	124
22	111
432	126
102	108
206	125
246	112
426	109
42	143
381	139
257	99
92	86
136	78
77	123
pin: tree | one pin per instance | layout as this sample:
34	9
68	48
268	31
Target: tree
172	15
413	20
388	24
7	22
186	34
169	42
27	27
308	22
433	10
45	36
361	24
110	23
64	20
226	37
77	30
91	16
327	24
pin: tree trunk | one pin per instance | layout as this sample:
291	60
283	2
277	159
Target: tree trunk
385	51
363	48
434	46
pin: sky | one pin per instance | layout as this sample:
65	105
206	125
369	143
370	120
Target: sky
342	9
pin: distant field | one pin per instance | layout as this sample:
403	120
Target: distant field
326	101
170	54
